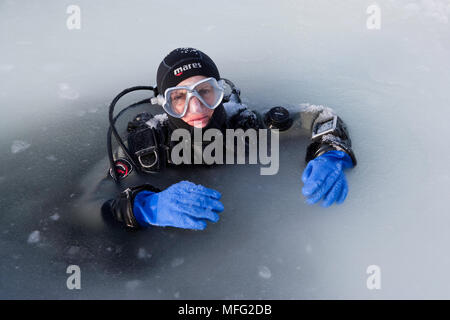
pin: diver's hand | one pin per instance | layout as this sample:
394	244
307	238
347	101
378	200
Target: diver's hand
182	205
324	178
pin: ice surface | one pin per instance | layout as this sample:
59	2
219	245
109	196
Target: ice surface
51	158
67	92
19	146
264	272
143	254
390	86
6	67
55	217
177	262
73	250
34	237
133	284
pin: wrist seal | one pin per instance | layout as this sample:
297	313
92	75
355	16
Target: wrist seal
121	208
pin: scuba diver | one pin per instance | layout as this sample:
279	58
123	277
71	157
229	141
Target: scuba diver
191	92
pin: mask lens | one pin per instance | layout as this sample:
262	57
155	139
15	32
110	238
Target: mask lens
176	100
210	92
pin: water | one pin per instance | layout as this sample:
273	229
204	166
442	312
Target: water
389	85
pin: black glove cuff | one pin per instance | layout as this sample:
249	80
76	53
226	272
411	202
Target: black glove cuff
121	208
339	139
329	147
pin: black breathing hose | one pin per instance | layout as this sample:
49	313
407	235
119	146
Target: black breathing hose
113	131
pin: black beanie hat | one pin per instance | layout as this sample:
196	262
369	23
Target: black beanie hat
181	64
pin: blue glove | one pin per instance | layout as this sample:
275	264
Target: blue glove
324	178
182	205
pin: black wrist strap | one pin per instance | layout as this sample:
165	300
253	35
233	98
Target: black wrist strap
329	147
121	208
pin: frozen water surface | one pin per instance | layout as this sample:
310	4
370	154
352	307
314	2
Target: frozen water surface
389	85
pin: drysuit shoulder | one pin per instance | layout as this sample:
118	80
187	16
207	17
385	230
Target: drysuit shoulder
240	116
146	119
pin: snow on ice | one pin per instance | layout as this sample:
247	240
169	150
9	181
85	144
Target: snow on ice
177	262
67	92
264	272
133	284
143	254
19	146
34	237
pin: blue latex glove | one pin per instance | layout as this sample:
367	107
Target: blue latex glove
182	205
324	178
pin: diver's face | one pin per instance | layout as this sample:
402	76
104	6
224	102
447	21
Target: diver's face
197	115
